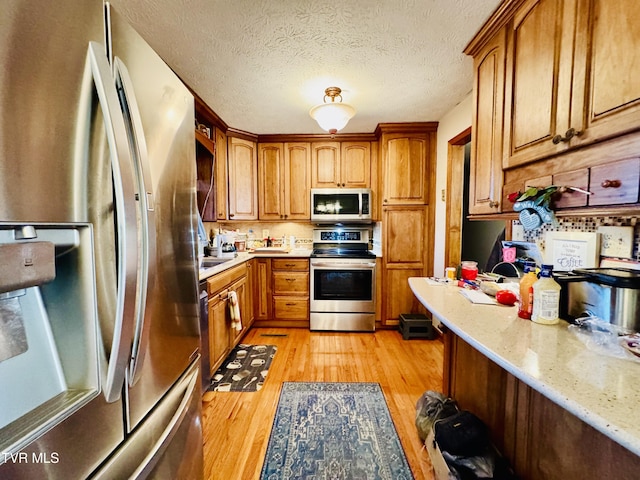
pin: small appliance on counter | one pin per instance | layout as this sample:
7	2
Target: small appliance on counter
611	294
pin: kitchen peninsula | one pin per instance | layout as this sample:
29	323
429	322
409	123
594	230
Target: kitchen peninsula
555	408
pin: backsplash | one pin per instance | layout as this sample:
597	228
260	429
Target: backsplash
586	224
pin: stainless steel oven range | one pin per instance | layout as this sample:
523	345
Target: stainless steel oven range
343	280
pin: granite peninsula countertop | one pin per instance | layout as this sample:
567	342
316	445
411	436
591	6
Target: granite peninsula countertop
602	391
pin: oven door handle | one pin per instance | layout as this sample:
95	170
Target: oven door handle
354	266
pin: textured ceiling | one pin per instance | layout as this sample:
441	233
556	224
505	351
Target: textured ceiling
262	64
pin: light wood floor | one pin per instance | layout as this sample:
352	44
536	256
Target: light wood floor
237	425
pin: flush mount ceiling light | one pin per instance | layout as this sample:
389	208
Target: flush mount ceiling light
332	116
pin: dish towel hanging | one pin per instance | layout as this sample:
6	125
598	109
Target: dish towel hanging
234	310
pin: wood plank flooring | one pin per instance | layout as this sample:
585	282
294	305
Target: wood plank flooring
237	425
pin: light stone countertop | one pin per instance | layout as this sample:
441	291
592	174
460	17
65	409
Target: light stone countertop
602	391
205	273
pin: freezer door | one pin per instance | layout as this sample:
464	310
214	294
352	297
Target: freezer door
161	112
168	443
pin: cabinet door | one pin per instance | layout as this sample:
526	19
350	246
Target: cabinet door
608	75
405	169
404	256
240	287
538	81
297	181
271	175
485	177
355	164
325	161
220	178
218	329
243	179
262	291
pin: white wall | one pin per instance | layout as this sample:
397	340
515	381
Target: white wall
451	125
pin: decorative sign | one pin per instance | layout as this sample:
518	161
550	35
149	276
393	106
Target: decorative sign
570	250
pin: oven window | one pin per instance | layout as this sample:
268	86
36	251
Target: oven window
343	285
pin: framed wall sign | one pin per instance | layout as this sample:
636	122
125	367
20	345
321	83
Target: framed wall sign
569	250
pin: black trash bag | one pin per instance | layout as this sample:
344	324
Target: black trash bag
432	406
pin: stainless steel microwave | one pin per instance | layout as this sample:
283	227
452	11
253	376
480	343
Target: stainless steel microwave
341	205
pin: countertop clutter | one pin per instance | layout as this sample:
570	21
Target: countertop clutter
601	391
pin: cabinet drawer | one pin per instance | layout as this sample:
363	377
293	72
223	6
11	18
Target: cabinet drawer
572	198
291	308
615	183
223	279
290	283
290	264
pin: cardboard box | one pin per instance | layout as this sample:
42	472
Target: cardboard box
440	467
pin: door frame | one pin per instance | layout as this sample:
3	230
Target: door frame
455	191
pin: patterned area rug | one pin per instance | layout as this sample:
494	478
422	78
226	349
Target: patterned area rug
244	370
334	431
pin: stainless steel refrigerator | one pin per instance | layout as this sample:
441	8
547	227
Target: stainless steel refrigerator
99	331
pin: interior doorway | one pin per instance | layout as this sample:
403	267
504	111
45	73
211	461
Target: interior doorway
465	239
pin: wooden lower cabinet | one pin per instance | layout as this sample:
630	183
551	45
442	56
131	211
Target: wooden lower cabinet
281	294
540	439
222	338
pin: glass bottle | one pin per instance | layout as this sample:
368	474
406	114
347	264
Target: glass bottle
526	290
546	298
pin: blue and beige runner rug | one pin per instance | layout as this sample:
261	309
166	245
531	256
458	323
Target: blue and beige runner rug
334	431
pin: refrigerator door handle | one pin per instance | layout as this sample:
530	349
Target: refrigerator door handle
155	454
124	199
147	245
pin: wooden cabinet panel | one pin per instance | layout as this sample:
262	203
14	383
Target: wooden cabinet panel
262	291
534	82
290	308
571	198
270	164
243	179
241	288
297	181
485	177
290	283
290	264
219	330
405	235
405	167
220	178
355	164
325	160
609	68
285	177
538	437
615	183
398	297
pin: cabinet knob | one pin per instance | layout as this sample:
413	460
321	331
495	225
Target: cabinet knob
290	279
611	184
343	184
493	204
231	215
289	304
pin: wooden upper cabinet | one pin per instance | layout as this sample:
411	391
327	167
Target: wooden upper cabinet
538	81
572	76
270	173
405	168
220	179
243	179
486	178
341	164
297	178
285	175
609	77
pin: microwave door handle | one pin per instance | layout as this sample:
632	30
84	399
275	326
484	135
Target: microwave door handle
147	252
124	199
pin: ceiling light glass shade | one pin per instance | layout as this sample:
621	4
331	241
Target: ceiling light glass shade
332	116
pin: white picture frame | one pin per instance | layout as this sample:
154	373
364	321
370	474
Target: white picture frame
567	251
